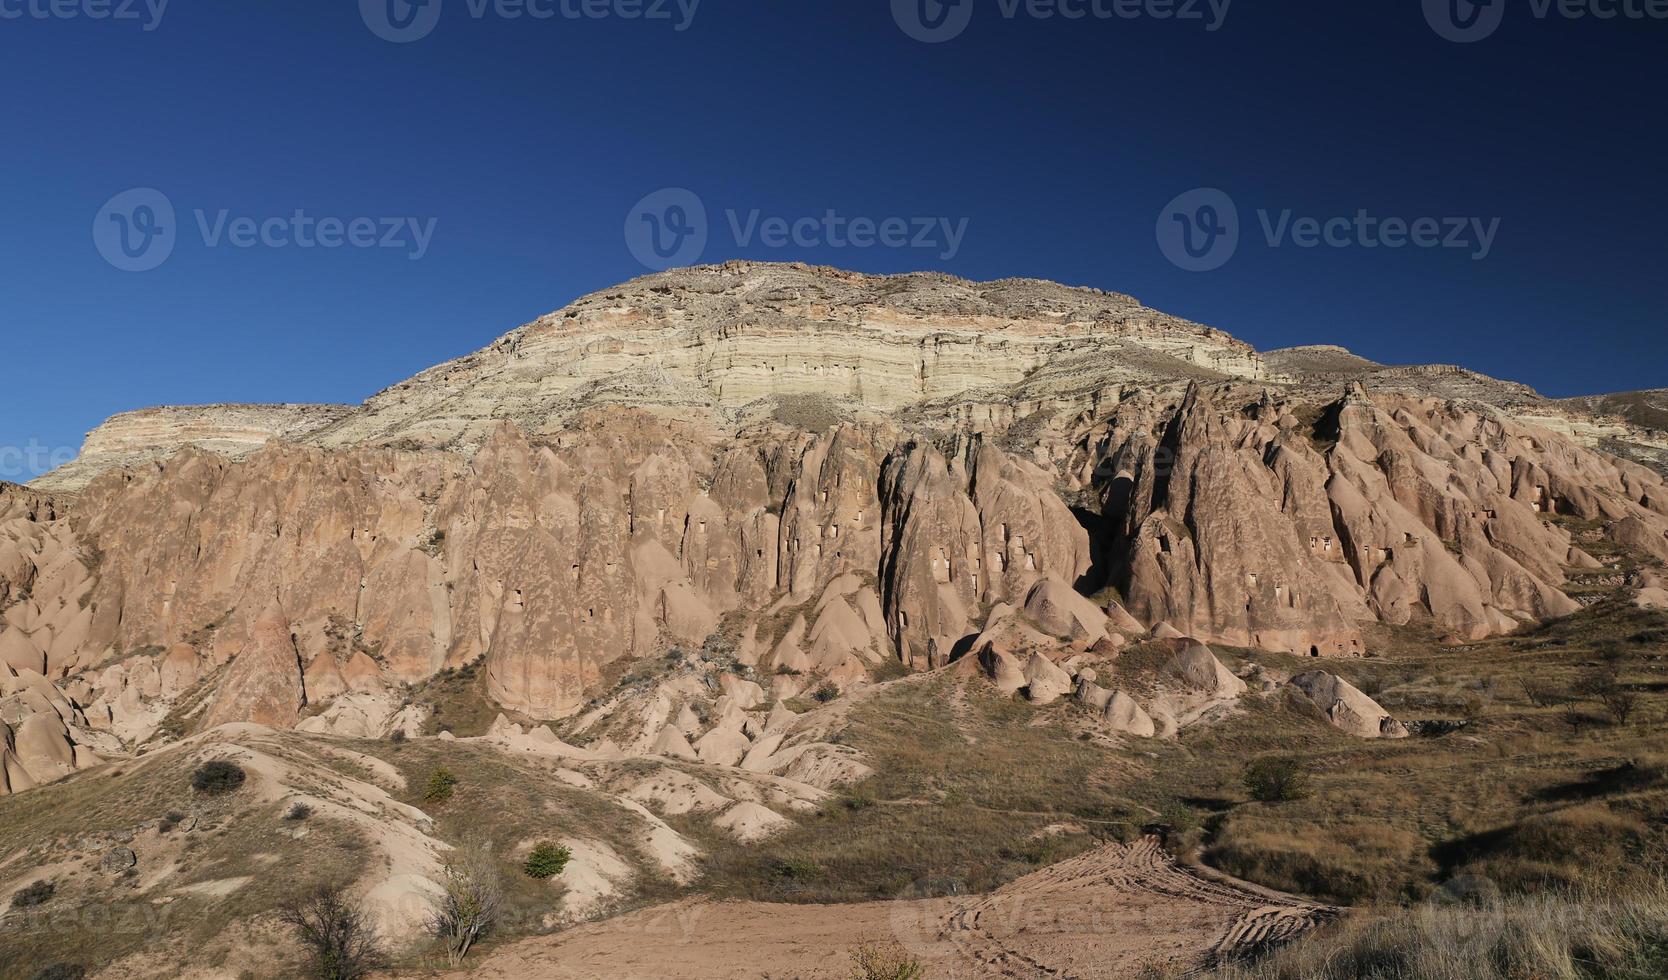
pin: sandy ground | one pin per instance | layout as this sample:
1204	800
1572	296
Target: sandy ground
1107	913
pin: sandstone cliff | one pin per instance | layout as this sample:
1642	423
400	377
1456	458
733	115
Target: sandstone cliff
830	471
233	431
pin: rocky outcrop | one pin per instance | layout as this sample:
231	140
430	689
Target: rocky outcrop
149	434
1251	528
43	735
716	338
840	471
1346	707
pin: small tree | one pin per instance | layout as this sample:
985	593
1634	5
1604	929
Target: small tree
340	940
1544	694
875	961
1276	779
470	902
547	860
1605	686
440	785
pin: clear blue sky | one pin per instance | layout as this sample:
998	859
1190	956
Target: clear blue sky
1059	141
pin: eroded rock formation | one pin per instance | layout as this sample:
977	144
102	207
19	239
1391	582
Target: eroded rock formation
828	473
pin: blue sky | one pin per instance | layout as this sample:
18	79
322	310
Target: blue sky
499	157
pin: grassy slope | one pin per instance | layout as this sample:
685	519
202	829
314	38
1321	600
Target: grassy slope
94	918
1517	795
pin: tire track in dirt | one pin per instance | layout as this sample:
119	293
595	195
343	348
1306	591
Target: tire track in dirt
1005	932
1107	913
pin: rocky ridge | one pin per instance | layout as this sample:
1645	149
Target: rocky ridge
1014	474
233	431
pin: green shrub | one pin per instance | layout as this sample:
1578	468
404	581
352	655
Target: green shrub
826	693
547	860
217	777
1277	779
798	868
440	785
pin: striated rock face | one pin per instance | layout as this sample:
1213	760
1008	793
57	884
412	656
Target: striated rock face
617	488
150	434
716	338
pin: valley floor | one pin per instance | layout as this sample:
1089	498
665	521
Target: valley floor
1115	911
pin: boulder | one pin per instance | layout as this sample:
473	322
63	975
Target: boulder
1122	714
1200	671
1346	707
1044	681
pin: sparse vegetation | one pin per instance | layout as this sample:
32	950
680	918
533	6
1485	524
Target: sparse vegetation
884	961
955	806
547	860
1277	779
471	902
1547	937
1605	686
339	939
441	783
298	812
31	895
217	777
1542	694
825	693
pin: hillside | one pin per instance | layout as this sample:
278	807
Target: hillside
787	586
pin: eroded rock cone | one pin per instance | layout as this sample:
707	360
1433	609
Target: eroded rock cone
1346	707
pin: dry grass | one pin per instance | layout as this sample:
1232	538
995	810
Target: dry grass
93	918
1510	792
502	802
965	782
1592	936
